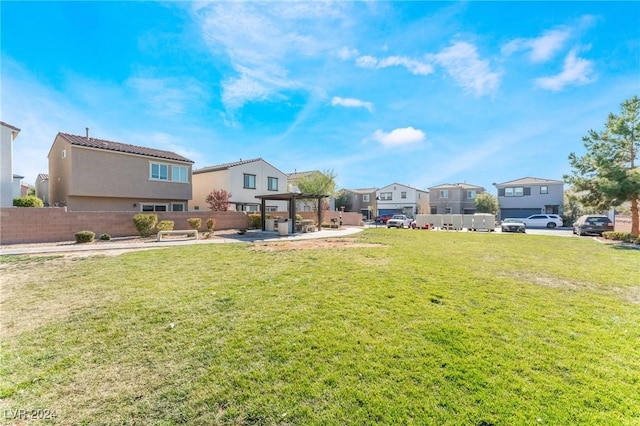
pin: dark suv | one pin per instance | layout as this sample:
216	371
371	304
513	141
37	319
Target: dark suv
592	224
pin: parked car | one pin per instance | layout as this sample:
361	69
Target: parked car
383	218
543	221
592	224
513	225
399	221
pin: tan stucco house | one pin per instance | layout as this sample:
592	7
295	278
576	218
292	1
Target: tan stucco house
456	198
89	174
244	179
401	199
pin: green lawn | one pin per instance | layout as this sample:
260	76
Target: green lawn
419	327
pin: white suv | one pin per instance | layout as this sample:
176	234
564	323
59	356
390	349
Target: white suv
543	221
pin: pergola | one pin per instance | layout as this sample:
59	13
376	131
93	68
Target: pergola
291	197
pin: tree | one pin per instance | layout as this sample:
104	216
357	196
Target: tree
609	174
343	200
486	203
218	200
319	183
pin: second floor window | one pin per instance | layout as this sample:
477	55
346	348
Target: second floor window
159	171
365	198
544	189
272	184
179	174
386	196
518	191
403	194
444	193
249	181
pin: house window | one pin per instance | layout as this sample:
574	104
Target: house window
272	184
403	194
179	174
177	207
544	189
159	171
249	181
514	192
471	193
386	196
447	210
270	209
444	193
153	207
64	153
365	198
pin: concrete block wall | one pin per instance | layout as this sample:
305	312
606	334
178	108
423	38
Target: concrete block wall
39	225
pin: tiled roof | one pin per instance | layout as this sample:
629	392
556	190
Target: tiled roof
14	128
457	185
122	147
42	176
362	190
299	175
530	181
224	166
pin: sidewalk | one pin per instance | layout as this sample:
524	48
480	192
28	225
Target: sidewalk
250	236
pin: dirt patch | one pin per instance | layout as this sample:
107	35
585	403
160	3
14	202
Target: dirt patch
312	244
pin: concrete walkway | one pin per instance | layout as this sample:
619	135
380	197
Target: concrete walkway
250	236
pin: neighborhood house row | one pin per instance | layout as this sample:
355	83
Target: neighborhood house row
90	174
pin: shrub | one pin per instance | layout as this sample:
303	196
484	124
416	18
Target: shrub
618	236
637	241
84	237
145	223
195	223
105	237
28	201
255	221
211	224
165	225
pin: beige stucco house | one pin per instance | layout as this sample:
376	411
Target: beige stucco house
456	198
89	174
401	199
244	179
42	187
9	183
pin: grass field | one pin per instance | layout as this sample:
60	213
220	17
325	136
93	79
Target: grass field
389	327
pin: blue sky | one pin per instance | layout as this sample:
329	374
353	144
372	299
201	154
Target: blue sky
418	93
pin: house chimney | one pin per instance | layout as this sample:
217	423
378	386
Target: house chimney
87	132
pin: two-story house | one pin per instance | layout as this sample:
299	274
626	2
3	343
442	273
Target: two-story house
42	187
527	196
362	201
89	174
401	199
454	198
244	180
9	183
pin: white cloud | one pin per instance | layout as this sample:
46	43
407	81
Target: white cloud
345	53
351	103
263	42
541	48
167	96
412	65
399	137
576	71
462	62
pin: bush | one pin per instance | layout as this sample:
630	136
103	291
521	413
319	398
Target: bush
145	223
195	223
165	225
84	237
637	241
105	237
211	224
255	221
618	236
28	201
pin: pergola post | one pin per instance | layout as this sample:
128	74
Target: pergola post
263	215
319	214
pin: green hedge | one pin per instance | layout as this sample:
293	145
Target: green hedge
627	237
28	201
145	223
165	225
85	236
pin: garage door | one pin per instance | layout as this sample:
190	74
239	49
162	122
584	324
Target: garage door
504	213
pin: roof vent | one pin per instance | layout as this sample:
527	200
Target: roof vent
87	132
